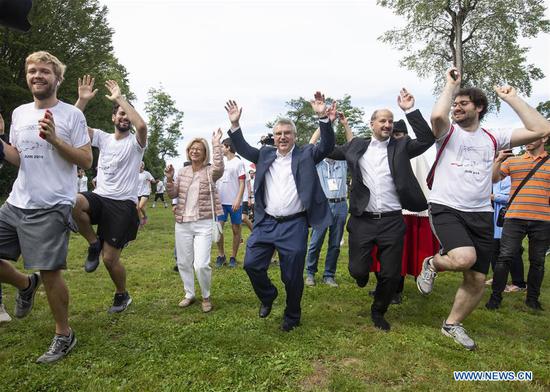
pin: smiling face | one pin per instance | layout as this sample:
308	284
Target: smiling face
464	112
41	80
121	121
382	124
284	137
196	153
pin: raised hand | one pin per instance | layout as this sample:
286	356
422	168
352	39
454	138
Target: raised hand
505	92
405	100
2	125
453	76
217	136
86	88
233	112
169	172
342	118
318	104
331	112
114	90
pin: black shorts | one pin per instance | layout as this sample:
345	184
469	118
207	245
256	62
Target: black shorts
159	196
117	220
146	196
454	229
245	208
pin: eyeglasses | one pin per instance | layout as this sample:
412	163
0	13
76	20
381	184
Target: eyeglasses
460	103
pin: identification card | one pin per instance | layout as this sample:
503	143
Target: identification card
332	184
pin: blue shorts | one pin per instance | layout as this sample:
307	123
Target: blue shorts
236	217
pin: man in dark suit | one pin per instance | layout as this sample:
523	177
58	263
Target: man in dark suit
288	198
382	184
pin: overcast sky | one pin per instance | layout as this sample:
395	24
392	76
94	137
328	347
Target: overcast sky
263	53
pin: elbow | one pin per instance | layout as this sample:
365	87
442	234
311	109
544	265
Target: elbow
141	128
87	162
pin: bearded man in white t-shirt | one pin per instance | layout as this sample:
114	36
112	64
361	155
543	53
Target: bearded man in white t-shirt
48	141
112	204
460	205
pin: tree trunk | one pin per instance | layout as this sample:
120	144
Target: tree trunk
458	55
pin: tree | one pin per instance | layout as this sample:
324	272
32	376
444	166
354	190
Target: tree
479	37
306	121
164	128
77	32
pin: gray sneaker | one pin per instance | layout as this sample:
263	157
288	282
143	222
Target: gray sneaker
458	333
120	302
310	280
425	281
329	281
25	298
61	346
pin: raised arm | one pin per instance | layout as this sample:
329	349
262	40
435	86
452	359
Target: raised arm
440	112
217	155
315	137
134	117
424	136
347	129
326	115
86	93
235	133
536	126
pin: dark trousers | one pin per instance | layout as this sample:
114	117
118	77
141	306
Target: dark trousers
387	233
516	267
513	232
290	240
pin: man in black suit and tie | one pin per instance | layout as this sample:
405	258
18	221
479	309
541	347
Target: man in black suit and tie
289	198
382	184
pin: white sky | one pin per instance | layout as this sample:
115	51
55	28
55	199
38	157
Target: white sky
263	53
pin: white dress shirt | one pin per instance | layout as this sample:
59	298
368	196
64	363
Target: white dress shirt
376	174
281	194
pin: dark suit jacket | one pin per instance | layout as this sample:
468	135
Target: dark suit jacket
304	172
400	151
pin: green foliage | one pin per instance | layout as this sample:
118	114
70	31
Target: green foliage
164	130
77	32
479	36
306	121
157	346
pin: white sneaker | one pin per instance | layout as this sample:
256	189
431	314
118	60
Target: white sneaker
4	316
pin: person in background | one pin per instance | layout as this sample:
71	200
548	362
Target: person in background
82	181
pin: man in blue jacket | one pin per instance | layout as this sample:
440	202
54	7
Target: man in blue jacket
288	198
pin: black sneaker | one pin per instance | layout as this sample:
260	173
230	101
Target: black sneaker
120	302
220	261
61	346
92	261
25	298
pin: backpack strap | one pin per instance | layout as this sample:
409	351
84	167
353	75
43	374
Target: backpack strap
431	173
492	139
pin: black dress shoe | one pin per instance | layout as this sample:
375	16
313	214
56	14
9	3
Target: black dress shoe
362	282
288	326
372	293
493	303
380	322
534	304
397	299
264	310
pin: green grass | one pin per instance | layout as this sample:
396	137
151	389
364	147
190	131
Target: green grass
156	346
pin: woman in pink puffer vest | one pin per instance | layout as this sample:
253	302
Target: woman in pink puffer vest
192	187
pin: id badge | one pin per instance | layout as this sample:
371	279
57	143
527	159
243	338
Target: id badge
332	184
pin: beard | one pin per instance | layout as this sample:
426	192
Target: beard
123	128
44	94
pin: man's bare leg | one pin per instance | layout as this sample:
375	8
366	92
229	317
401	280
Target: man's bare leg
9	274
81	215
467	297
58	299
111	259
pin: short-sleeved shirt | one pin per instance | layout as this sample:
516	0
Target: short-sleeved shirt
160	187
144	183
463	176
228	184
117	166
333	175
533	200
45	178
83	184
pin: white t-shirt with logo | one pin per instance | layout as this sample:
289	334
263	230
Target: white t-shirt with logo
82	184
45	178
117	166
228	184
463	176
144	183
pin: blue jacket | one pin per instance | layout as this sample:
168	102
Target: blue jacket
304	161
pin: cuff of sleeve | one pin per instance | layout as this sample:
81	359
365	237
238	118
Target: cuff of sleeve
324	119
410	110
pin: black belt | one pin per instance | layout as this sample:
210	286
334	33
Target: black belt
337	200
287	218
379	215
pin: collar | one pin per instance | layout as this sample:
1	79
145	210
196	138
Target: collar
279	155
537	158
376	143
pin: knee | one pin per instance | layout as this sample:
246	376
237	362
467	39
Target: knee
110	261
236	229
464	260
50	277
475	279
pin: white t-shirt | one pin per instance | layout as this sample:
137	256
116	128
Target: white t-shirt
160	187
82	184
463	175
228	184
144	183
246	184
45	178
118	165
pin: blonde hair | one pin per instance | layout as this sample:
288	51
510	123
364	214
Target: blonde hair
204	144
48	58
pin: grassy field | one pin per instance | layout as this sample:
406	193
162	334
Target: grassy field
156	346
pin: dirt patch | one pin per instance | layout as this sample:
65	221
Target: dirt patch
318	379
